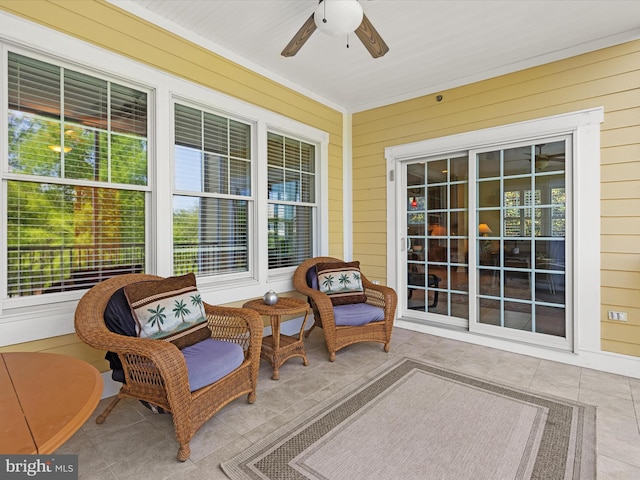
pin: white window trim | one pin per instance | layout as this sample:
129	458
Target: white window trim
251	275
14	304
30	322
321	235
584	126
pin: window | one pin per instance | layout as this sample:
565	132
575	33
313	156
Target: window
519	197
212	197
76	180
291	200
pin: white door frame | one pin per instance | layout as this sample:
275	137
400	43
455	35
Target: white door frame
584	126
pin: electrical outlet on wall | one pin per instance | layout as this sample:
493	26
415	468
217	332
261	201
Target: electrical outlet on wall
619	316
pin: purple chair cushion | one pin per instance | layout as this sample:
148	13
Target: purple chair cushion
356	314
210	360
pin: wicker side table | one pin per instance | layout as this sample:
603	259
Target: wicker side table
277	348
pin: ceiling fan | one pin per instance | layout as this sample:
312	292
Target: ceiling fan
544	159
338	17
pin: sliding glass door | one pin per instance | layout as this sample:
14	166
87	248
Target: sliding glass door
485	240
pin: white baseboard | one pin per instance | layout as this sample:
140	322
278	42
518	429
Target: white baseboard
596	360
111	387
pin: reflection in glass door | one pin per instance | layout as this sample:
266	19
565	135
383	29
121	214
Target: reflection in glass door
438	237
521	216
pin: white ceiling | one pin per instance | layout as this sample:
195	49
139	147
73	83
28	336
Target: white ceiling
434	44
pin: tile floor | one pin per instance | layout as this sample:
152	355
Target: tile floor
136	444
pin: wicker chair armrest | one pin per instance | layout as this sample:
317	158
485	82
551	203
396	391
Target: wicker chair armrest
155	350
242	326
99	337
238	325
379	295
144	359
165	355
303	288
322	304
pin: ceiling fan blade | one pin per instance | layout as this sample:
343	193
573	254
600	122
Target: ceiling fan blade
371	39
543	156
551	158
300	38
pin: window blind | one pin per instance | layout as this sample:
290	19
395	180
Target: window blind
291	200
69	126
213	190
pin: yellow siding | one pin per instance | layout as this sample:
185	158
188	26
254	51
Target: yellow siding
620	338
109	27
619	155
619	172
621	279
620	262
609	78
622	225
624	348
64	345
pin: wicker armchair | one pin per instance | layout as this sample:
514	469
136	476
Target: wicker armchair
337	337
155	371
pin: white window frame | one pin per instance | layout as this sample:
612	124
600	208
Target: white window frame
315	205
14	304
584	127
254	249
35	320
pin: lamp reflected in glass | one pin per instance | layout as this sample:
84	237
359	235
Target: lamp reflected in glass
438	231
484	229
60	148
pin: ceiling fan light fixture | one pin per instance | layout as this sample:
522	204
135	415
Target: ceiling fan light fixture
541	164
338	17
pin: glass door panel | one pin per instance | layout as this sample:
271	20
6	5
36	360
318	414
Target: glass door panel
437	238
521	208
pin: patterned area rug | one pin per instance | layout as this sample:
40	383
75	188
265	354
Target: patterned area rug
412	420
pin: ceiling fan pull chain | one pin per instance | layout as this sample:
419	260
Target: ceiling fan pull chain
347	40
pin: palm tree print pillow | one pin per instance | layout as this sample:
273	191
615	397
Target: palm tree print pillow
166	309
342	281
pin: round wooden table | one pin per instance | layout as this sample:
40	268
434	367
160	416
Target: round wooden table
277	348
44	399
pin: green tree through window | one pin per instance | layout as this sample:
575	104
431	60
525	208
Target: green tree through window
88	138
